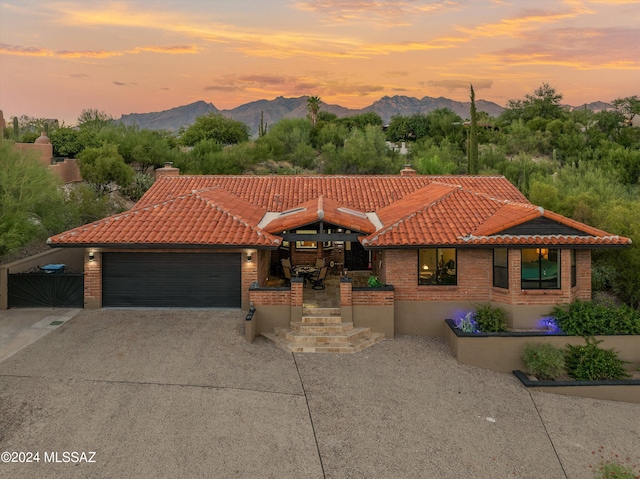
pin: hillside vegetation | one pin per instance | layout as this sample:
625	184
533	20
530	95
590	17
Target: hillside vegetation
580	163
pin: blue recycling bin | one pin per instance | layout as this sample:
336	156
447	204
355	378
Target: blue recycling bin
53	268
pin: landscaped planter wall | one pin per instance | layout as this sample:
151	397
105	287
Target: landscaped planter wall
273	307
620	390
502	352
374	308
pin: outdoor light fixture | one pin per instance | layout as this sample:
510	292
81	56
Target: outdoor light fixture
248	257
91	256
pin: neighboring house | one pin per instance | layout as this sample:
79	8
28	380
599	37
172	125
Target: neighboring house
67	169
444	244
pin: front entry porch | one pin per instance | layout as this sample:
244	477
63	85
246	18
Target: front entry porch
324	320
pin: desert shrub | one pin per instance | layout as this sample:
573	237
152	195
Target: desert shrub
590	363
583	318
544	360
490	320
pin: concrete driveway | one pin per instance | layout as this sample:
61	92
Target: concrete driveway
181	394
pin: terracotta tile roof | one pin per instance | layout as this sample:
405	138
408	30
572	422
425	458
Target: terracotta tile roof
394	211
192	219
460	217
362	193
488	233
321	209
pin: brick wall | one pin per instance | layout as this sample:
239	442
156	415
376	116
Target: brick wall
275	297
373	297
475	279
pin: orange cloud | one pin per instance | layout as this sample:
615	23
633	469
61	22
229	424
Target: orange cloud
382	10
43	52
24	51
452	85
290	85
578	48
520	26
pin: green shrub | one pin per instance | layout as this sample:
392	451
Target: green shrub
590	363
544	360
374	282
584	318
490	320
614	470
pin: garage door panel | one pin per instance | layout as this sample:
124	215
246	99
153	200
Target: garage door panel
172	279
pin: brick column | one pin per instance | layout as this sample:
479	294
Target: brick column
346	299
92	279
297	289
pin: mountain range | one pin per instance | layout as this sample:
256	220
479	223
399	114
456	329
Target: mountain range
281	107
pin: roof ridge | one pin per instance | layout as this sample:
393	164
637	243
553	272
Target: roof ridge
411	215
243	221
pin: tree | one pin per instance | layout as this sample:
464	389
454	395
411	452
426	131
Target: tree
361	120
66	142
364	153
545	102
104	168
629	107
313	107
217	127
93	119
30	200
472	167
140	148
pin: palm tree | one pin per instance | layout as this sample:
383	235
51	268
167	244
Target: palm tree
313	106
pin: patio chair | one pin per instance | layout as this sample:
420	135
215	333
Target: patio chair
319	263
318	281
287	274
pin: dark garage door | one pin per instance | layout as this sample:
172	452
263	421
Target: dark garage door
171	280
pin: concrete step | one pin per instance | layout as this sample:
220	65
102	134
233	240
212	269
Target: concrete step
320	327
322	338
321	320
356	345
321	311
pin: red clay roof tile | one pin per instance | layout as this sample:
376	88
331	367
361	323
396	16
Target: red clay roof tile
413	211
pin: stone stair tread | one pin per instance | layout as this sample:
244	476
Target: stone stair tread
352	346
321	327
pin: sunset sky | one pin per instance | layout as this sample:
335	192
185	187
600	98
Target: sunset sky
58	57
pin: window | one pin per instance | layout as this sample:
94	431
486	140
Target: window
437	266
540	268
306	244
501	268
574	278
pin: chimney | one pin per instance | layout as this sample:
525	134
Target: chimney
408	171
167	170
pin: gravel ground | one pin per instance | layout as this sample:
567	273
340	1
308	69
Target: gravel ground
179	393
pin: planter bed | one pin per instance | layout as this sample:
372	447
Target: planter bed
626	390
502	352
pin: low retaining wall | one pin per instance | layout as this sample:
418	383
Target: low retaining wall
502	352
273	308
374	308
622	390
